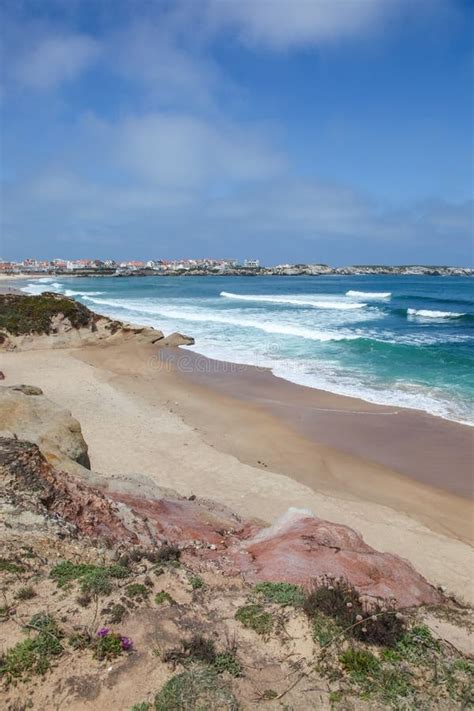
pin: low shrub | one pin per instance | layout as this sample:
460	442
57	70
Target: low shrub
25	593
137	591
196	688
282	593
254	617
34	655
109	645
196	582
339	600
162	597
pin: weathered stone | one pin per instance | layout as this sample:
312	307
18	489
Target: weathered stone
299	548
176	339
34	418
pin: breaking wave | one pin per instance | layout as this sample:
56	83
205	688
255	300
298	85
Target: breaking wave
375	295
294	301
427	313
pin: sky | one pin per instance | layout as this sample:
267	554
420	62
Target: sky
334	131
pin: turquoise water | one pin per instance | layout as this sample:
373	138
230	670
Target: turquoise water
403	341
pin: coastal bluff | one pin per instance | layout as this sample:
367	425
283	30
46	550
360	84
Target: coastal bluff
51	320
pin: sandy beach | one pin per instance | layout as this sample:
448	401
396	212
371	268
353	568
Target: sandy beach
199	431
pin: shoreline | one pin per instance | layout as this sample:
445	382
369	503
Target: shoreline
363	429
345	398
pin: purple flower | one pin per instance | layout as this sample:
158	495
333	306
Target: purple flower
103	632
126	643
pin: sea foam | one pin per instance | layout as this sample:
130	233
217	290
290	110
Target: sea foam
376	295
427	313
294	301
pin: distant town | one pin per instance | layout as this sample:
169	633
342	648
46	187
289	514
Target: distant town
205	267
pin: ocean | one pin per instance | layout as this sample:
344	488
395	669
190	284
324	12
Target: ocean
401	341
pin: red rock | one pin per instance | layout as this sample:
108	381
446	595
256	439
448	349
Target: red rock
300	548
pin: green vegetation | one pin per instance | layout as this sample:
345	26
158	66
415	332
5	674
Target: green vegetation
116	614
199	649
21	314
8	566
25	593
34	655
138	591
359	661
95	580
410	673
162	597
227	662
255	618
80	640
144	706
196	582
282	593
196	689
325	629
108	647
339	600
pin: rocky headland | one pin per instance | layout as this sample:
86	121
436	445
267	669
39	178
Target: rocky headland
117	592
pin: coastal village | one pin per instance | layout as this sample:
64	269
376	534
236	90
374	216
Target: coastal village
204	267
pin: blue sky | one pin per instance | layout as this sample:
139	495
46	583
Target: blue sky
290	130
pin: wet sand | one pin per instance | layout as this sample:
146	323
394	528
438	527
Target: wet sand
429	449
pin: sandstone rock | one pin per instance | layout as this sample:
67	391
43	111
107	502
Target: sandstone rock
32	417
175	339
33	485
299	548
26	389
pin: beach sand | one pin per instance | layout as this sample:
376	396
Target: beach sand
201	432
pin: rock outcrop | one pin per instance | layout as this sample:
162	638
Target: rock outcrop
26	414
174	340
300	547
52	320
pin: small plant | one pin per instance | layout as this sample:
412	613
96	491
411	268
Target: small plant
116	614
95	580
33	656
80	640
325	629
359	661
196	688
227	662
138	591
340	601
144	706
282	593
168	553
255	618
162	597
109	645
118	571
25	593
269	694
196	582
8	566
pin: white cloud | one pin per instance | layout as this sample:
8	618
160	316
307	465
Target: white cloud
282	24
182	150
55	59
